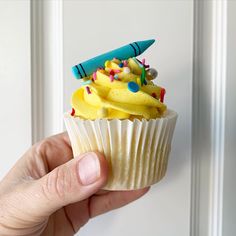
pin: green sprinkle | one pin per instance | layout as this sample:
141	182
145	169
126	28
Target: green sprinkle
87	82
143	75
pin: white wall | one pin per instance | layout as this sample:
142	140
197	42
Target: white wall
15	86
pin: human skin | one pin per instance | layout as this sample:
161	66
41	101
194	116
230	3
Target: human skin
48	192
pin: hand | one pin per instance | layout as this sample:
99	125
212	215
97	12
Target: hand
48	192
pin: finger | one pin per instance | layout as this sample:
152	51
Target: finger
113	200
74	181
55	150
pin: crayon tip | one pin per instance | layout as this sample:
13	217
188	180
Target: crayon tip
143	45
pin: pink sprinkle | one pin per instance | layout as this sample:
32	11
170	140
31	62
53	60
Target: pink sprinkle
94	75
125	63
143	61
111	78
117	71
88	90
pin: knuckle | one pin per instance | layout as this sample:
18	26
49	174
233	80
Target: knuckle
43	146
58	184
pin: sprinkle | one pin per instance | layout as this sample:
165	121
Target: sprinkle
87	82
88	90
138	62
94	75
133	87
111	78
125	63
121	65
162	95
139	81
145	82
154	95
112	72
126	70
143	75
143	63
73	112
115	76
117	71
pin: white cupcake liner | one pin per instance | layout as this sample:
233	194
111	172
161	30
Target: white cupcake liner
137	151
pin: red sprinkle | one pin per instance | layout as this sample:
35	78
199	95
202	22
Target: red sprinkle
88	90
162	95
112	72
154	95
73	112
117	71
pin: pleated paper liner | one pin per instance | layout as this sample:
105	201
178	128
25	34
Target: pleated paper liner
137	151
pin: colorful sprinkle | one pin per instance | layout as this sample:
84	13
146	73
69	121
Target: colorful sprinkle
125	63
162	95
94	75
143	63
116	76
73	112
121	64
154	95
112	72
143	75
138	62
133	87
87	82
88	90
117	71
111	78
126	70
139	81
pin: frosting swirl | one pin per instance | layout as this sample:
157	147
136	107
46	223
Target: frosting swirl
121	90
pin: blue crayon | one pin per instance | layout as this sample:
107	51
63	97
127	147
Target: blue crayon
86	68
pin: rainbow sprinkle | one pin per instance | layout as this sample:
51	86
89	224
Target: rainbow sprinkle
88	90
111	78
143	75
87	82
94	75
162	95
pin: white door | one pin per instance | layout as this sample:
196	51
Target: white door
194	55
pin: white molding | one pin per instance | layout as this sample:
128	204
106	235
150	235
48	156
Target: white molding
36	70
47	67
219	50
209	76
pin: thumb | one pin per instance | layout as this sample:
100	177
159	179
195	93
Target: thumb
71	182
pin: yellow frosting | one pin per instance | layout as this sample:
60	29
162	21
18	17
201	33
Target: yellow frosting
110	98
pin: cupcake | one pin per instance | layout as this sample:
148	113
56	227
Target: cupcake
120	112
